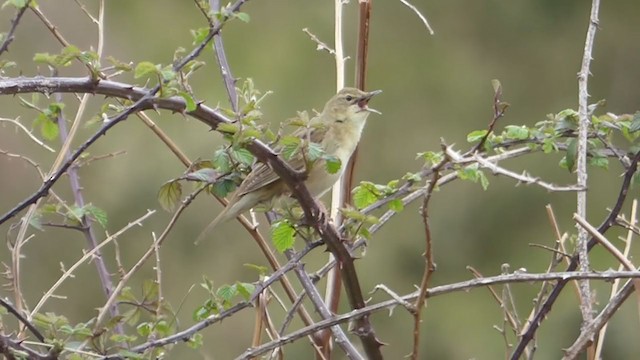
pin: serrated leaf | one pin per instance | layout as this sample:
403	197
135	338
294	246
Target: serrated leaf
396	205
221	161
476	135
97	214
290	146
364	195
635	123
223	188
243	155
332	164
516	132
145	68
283	235
227	292
314	151
169	195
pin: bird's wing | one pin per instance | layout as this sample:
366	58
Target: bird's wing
262	174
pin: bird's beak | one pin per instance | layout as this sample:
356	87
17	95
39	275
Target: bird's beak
363	102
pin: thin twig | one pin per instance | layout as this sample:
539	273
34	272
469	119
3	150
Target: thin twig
14	25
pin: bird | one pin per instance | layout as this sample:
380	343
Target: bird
337	129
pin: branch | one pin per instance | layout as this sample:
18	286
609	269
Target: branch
586	303
438	290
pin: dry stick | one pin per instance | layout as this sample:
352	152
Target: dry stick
585	338
616	283
586	303
624	261
429	265
510	318
610	220
422	17
28	132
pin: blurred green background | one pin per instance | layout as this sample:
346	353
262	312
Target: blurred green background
434	87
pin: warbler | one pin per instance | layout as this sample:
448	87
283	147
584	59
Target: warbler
337	129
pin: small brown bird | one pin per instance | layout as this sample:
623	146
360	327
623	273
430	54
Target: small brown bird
337	129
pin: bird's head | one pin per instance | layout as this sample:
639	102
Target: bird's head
350	104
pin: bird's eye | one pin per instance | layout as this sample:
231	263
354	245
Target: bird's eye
349	98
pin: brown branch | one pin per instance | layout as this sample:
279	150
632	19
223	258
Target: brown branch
429	264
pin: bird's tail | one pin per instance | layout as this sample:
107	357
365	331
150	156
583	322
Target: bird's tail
234	208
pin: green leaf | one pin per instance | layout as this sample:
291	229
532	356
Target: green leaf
599	161
290	146
44	58
364	195
412	177
145	68
242	16
223	188
221	161
97	214
199	34
48	128
431	157
190	104
17	3
169	195
227	292
516	132
572	149
245	289
314	151
396	205
283	235
195	341
476	135
635	123
332	164
243	155
227	128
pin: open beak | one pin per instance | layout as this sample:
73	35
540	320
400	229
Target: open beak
363	102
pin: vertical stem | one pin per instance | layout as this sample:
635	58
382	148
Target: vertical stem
586	306
334	281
